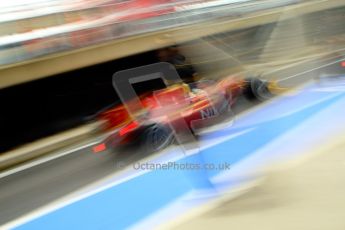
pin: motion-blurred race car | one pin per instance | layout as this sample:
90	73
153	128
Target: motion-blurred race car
201	104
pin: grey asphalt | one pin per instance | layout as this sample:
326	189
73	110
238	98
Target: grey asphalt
25	191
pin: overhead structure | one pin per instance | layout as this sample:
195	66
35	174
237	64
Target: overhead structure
44	52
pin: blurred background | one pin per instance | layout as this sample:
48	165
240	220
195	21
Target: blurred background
57	60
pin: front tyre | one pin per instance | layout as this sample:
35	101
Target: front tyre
257	89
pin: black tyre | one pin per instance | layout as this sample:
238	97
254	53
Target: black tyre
156	138
257	89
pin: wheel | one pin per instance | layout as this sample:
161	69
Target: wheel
256	89
156	138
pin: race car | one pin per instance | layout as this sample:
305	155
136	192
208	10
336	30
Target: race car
200	105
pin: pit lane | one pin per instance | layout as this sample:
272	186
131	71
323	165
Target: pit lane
34	187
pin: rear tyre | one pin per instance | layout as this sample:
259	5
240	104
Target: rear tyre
156	138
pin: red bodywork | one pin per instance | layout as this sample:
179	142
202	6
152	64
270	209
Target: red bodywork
206	99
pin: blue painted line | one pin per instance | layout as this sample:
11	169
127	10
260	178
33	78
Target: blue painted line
119	206
127	203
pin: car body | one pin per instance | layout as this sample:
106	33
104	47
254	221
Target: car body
199	104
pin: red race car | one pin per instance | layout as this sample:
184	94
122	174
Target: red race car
201	105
